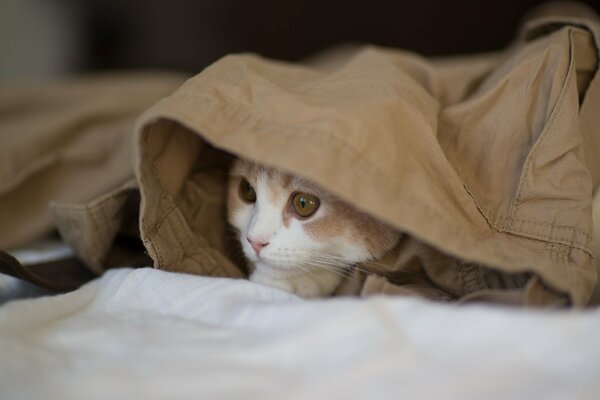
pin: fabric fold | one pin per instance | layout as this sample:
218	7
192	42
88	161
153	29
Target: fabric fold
495	183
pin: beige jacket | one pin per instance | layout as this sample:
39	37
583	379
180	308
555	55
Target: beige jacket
487	163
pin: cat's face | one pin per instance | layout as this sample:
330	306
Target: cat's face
288	225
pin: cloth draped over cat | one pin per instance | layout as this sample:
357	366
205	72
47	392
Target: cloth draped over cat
486	163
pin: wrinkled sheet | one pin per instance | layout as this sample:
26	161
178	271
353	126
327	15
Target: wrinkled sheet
152	334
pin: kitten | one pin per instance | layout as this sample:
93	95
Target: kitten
297	236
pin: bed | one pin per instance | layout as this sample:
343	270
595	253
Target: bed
152	334
485	163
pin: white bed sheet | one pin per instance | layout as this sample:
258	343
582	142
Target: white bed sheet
148	334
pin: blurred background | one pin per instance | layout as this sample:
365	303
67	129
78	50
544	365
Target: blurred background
42	39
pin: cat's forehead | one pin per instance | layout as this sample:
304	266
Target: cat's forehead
272	177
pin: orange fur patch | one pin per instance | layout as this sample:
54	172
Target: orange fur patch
342	219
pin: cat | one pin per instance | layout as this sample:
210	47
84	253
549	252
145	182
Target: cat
297	236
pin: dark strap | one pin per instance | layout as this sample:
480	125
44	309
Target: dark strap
59	275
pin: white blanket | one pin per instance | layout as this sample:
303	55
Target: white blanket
147	334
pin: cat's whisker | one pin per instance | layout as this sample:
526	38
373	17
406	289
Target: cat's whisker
361	266
333	271
316	263
331	267
329	258
342	271
322	261
313	253
344	274
308	267
395	269
330	262
311	275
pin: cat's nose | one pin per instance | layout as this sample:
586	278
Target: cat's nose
257	245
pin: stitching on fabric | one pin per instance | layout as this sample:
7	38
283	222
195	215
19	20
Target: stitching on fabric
159	257
147	239
164	198
558	251
496	223
567	242
190	241
181	247
583	232
543	135
555	238
153	230
171	207
571	228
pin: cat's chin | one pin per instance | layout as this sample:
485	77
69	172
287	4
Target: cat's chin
307	284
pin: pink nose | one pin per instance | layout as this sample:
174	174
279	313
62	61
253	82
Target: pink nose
257	245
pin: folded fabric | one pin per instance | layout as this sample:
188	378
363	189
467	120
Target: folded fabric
480	161
67	141
486	163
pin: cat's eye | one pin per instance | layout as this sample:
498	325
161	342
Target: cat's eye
305	204
246	191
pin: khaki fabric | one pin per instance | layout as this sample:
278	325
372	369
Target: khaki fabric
486	163
67	142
